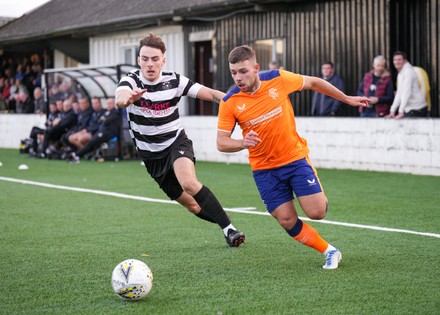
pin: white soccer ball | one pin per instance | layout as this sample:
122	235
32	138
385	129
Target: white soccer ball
132	280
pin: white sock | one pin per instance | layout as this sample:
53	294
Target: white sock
226	229
329	249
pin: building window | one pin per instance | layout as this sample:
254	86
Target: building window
130	55
268	50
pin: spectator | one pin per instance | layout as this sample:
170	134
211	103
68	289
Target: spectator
377	85
16	88
409	100
37	133
39	104
323	105
424	85
109	126
79	139
275	65
24	105
5	91
68	119
84	115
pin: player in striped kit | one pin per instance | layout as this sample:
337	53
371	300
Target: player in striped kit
151	97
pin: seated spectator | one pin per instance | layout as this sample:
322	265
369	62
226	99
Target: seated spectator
37	133
15	90
24	105
323	105
84	115
39	104
377	85
79	139
5	90
54	134
409	100
109	127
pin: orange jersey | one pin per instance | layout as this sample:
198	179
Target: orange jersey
269	112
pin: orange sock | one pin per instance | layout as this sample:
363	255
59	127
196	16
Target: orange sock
310	237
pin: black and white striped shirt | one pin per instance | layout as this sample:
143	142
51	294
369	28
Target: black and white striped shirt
154	120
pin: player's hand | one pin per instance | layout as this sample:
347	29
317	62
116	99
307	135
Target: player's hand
251	139
357	101
125	97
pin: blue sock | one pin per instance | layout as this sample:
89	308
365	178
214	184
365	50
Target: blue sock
296	228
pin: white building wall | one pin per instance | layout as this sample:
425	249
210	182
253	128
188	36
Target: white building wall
404	146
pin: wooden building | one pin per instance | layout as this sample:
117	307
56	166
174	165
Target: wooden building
199	35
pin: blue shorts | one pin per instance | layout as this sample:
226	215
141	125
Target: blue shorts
277	185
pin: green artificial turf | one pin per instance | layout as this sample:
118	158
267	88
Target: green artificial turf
58	247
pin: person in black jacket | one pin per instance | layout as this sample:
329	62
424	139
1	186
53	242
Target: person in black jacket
80	138
109	127
37	133
68	120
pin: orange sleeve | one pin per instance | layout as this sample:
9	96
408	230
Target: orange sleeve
226	119
293	82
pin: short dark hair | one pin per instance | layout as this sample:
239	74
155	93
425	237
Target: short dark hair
400	53
328	63
153	41
241	53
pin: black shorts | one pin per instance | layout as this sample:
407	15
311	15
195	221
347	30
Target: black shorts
162	169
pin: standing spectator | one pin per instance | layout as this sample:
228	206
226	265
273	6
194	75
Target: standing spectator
409	99
324	105
425	87
39	104
109	126
377	84
275	65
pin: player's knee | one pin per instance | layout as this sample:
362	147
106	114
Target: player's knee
286	222
190	186
317	213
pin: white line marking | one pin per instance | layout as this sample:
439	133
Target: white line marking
247	210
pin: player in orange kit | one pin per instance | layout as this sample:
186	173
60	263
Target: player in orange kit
278	156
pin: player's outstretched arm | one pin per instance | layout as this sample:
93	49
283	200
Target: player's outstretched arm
321	86
208	94
123	98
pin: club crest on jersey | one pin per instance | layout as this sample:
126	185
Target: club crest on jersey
242	107
167	85
182	152
273	93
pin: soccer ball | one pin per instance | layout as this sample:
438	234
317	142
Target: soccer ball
132	280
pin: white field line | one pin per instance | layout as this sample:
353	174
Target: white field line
247	210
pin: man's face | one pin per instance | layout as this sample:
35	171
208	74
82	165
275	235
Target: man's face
96	104
151	60
399	62
245	75
110	104
327	70
83	104
379	67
